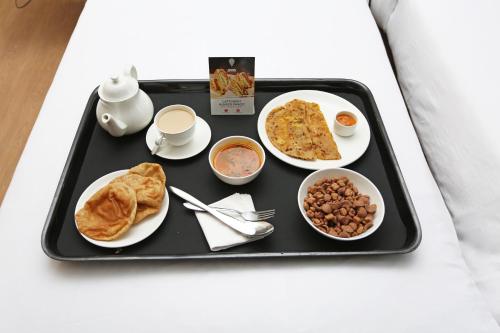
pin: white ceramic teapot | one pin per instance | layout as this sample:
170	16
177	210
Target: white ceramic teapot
123	108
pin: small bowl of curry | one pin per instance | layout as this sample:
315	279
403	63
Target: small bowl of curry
345	123
237	160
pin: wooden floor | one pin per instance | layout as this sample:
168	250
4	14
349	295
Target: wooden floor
32	42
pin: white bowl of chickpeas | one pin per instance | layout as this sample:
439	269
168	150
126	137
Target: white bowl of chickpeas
341	204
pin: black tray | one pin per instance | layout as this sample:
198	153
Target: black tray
95	153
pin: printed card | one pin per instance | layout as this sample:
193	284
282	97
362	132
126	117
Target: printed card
232	85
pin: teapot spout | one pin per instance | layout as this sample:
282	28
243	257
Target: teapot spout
114	126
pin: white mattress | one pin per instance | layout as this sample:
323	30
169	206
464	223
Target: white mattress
447	55
429	290
382	11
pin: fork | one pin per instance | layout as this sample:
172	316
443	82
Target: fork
247	215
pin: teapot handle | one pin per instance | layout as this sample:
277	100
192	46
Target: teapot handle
131	71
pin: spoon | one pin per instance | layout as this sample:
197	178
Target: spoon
158	143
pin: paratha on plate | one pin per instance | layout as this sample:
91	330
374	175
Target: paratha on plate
298	129
288	132
325	147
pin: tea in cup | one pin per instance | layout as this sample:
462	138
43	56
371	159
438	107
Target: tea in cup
176	124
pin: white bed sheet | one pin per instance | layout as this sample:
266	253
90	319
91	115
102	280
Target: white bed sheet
382	11
429	290
447	55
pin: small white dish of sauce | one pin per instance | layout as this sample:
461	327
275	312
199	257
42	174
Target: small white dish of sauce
345	123
237	160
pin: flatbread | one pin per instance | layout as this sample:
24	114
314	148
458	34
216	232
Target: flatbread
325	147
149	191
149	170
298	129
144	211
286	128
109	213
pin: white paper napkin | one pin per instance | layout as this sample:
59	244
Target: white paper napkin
219	236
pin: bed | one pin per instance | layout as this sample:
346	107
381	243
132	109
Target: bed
429	290
446	56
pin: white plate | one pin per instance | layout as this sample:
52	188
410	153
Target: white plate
201	139
137	232
364	185
350	148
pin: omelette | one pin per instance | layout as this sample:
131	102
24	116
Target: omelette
298	129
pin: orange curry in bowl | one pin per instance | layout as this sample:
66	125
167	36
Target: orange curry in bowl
237	160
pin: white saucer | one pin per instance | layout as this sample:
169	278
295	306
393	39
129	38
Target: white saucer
201	139
137	232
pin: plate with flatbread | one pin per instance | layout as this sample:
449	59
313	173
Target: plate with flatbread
122	208
297	128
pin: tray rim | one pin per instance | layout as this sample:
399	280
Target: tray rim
222	255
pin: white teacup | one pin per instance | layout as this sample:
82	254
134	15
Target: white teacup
176	125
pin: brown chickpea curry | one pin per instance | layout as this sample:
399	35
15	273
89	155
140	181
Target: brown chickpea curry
236	160
335	206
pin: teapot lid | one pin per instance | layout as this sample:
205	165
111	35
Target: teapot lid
118	88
